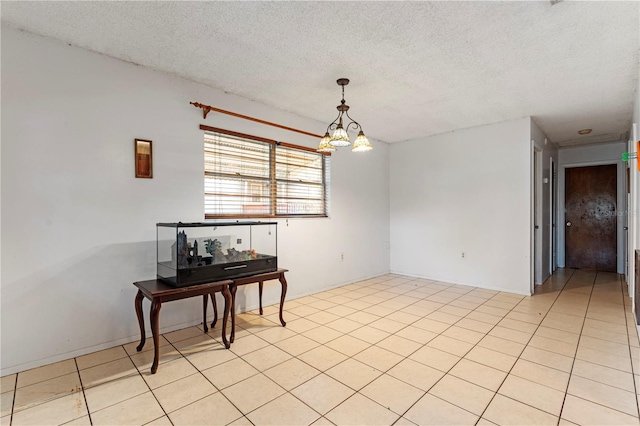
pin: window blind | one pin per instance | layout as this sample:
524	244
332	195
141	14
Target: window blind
246	177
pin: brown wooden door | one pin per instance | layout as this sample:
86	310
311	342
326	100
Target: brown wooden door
590	228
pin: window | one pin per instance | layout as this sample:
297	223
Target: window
248	176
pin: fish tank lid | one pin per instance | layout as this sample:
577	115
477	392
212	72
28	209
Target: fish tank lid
199	224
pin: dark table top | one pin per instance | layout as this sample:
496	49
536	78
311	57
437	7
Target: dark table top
158	288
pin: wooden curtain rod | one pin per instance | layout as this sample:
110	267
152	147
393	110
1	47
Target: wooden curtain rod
208	108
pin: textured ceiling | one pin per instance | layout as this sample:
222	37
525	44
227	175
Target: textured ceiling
416	68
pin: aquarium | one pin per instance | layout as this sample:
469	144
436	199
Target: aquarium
196	253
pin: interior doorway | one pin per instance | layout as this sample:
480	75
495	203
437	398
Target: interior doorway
591	217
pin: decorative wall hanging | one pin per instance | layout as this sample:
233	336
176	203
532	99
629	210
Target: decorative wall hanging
143	158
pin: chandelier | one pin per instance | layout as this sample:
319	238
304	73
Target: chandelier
340	137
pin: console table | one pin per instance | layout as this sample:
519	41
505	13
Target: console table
158	292
260	279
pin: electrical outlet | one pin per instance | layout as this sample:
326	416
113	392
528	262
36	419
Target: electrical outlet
342	257
463	254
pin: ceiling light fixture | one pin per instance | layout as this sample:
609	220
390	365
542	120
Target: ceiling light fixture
584	131
340	137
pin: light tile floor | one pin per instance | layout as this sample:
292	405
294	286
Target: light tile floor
388	350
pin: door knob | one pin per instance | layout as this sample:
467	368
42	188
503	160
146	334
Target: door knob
568	223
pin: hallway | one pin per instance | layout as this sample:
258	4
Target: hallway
388	350
589	314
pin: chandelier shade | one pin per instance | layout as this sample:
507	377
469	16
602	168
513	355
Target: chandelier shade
340	136
325	146
361	143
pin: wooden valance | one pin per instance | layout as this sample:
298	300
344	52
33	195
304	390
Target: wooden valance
259	139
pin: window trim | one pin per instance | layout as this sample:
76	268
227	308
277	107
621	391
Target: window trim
260	139
272	197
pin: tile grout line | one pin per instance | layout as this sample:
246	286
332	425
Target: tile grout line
475	345
525	346
370	345
496	293
219	390
348	357
145	382
259	372
54	397
584	320
292	356
321	344
605	352
83	394
320	371
405	357
610	353
626	323
443	289
13	401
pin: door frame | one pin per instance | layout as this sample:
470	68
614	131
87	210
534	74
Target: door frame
553	212
537	215
632	219
620	210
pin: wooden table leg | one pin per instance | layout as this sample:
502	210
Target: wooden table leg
260	285
155	313
227	306
283	281
233	289
215	310
205	302
140	315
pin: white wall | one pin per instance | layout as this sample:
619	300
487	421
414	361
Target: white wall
592	155
634	196
632	214
547	151
78	228
464	191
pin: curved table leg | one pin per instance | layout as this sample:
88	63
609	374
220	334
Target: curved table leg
283	281
140	315
155	313
227	306
215	310
260	285
205	302
233	289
